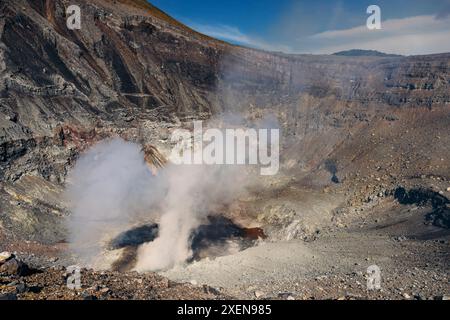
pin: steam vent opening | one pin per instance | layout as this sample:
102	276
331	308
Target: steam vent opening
216	237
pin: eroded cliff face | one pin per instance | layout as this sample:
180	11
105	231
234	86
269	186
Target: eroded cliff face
123	67
133	71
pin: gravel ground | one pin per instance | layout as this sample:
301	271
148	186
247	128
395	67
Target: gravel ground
333	267
51	284
414	259
413	256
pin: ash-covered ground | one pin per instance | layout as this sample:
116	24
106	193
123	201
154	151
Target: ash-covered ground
330	263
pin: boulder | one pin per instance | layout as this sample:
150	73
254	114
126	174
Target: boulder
14	267
21	288
8	296
5	256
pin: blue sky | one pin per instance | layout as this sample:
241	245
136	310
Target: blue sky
320	26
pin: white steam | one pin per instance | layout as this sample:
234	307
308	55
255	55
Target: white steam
111	186
193	191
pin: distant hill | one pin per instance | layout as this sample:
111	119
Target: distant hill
367	53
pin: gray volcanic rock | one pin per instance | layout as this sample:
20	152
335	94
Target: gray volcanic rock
14	267
5	256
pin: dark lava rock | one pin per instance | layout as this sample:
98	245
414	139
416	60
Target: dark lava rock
21	288
86	296
14	267
8	296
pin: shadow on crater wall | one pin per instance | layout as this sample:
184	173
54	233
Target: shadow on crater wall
440	214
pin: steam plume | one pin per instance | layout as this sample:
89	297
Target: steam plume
111	185
192	193
108	187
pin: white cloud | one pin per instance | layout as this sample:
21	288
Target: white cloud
234	35
407	36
